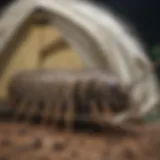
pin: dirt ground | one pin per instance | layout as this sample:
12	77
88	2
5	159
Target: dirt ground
20	141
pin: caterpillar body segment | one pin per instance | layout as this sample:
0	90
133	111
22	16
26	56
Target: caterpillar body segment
87	95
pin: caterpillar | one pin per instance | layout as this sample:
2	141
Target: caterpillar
87	95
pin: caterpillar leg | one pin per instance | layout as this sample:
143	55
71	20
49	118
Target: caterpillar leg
47	112
69	116
57	113
103	116
107	114
22	107
33	110
95	114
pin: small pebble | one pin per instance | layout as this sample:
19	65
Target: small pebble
37	143
59	146
22	131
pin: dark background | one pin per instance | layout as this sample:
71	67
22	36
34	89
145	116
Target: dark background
144	15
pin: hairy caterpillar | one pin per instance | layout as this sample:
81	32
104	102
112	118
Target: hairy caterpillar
58	93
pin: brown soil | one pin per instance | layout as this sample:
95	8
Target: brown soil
18	141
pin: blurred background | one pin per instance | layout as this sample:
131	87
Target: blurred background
142	14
